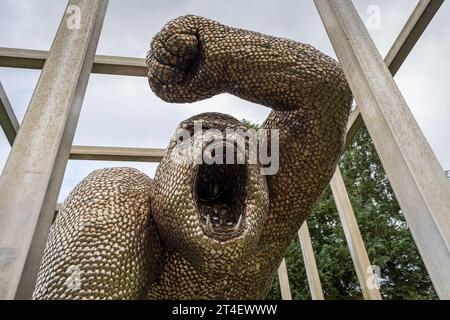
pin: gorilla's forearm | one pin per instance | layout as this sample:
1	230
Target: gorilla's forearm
194	58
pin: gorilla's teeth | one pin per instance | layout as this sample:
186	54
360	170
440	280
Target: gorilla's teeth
216	189
208	222
239	224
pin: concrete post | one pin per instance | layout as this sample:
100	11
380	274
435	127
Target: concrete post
355	241
418	180
284	281
8	120
32	176
315	287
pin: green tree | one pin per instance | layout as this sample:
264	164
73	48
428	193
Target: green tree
386	235
250	125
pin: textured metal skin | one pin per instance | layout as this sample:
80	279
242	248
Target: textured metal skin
105	231
194	58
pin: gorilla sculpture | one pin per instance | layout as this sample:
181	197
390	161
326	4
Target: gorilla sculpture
205	231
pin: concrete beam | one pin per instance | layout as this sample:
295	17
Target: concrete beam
8	120
35	59
10	125
315	287
418	180
355	241
31	179
403	45
284	281
411	32
117	154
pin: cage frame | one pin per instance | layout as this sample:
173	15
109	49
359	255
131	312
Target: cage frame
41	147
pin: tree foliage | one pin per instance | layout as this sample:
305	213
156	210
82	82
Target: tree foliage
386	235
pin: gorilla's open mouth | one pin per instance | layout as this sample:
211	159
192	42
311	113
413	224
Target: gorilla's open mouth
220	195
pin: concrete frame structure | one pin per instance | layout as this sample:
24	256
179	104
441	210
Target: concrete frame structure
418	180
8	120
41	150
355	242
284	281
315	287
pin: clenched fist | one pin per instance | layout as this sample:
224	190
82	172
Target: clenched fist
183	65
193	58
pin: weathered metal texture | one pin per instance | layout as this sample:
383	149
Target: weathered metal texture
408	37
355	242
284	281
315	287
416	176
32	176
117	154
8	120
35	59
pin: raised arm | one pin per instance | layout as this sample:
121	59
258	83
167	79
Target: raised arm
194	58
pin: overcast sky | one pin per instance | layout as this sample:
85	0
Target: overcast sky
122	111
